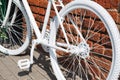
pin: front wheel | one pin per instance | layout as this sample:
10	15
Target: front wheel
92	40
15	31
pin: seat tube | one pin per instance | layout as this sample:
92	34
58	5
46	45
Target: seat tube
46	17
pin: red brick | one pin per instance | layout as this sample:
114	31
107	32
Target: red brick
99	27
108	52
91	14
39	18
40	3
38	10
60	40
94	36
101	63
60	34
34	2
107	5
70	38
105	40
90	44
74	39
38	23
66	1
52	13
94	72
114	15
106	66
118	19
114	3
101	2
98	49
70	28
87	23
61	53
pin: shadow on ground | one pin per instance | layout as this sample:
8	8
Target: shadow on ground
42	61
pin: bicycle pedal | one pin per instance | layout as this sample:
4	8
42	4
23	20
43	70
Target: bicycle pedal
24	63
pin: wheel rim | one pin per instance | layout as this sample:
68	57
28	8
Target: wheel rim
99	62
14	37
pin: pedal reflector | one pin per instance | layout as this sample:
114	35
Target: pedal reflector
24	63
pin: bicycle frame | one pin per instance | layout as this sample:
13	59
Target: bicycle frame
69	41
40	35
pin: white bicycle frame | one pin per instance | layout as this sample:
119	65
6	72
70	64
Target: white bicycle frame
40	35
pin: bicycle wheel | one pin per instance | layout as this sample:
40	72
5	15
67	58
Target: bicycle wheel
15	33
91	39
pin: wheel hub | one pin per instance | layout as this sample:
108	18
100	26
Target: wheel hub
81	50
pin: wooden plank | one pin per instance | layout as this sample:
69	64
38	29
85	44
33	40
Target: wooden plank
11	65
5	72
15	70
21	73
35	75
41	69
1	78
44	62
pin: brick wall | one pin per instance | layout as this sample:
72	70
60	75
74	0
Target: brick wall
112	7
39	7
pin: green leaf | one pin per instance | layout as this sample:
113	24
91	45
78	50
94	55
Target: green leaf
3	34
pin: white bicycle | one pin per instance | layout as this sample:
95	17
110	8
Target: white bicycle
82	40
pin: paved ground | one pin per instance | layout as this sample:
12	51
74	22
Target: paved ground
41	69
